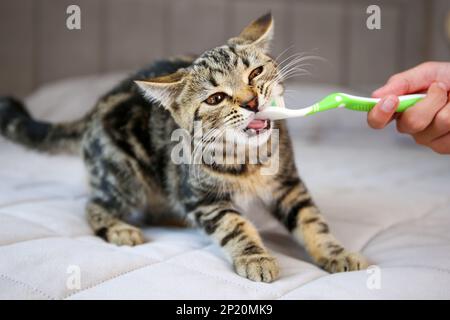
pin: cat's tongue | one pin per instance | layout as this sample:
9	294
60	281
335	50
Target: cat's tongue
257	124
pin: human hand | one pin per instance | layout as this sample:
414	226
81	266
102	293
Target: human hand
428	121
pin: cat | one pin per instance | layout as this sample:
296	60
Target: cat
125	141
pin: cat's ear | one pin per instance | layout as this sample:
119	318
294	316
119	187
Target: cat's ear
163	89
259	33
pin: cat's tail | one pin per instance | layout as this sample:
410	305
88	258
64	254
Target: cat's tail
17	125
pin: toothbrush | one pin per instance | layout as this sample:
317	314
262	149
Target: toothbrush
276	110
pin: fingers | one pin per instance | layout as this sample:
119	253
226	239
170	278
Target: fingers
429	120
438	128
413	80
420	116
441	145
383	112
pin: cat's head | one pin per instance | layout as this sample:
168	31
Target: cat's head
225	86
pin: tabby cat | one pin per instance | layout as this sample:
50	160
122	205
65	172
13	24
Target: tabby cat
126	144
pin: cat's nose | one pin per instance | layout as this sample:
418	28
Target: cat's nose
251	104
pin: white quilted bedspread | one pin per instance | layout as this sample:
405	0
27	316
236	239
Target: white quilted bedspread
381	194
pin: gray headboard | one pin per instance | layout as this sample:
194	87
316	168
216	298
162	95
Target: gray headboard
36	47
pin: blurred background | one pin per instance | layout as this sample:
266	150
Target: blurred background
61	72
37	48
379	190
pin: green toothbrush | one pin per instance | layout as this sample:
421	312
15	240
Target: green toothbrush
276	110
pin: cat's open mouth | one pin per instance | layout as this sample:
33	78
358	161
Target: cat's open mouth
257	126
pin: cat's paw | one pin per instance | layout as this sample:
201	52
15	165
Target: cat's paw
257	267
346	261
123	234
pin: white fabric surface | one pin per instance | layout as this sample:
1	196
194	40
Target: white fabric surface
381	194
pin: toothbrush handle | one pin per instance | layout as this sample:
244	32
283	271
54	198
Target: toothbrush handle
367	104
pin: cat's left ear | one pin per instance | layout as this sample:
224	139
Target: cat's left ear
163	89
259	33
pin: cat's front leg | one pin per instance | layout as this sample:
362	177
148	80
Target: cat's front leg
239	238
295	208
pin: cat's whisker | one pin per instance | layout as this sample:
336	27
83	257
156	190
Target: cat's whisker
212	133
294	61
291	57
217	133
198	145
283	52
289	69
294	71
294	64
297	60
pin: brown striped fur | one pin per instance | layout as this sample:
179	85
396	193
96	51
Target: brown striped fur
126	146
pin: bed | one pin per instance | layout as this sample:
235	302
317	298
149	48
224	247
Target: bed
382	195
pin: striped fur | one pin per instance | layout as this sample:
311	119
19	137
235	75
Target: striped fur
126	144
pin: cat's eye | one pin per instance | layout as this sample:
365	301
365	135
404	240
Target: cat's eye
216	98
256	72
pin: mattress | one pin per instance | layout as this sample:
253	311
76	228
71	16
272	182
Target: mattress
381	194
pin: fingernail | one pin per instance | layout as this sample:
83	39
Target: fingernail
442	86
388	104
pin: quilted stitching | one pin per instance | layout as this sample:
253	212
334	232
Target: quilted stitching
392	201
27	286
